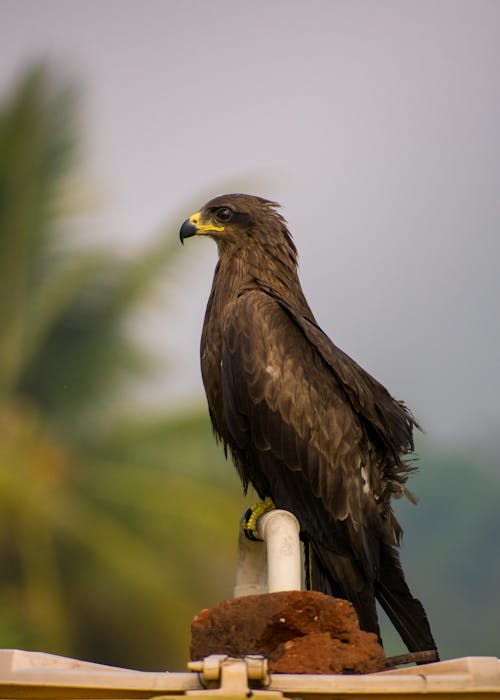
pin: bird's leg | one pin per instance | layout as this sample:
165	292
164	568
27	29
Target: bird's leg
252	516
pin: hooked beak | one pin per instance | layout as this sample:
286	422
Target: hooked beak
192	226
188	229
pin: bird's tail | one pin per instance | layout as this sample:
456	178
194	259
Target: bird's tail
406	613
339	576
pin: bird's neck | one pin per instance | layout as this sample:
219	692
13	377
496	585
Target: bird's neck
272	269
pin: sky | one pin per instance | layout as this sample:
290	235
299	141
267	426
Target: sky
376	124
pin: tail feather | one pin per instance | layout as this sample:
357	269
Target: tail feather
338	575
406	613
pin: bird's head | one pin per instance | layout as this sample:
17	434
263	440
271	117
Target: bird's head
237	219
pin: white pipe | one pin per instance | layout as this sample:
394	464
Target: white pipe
280	531
274	564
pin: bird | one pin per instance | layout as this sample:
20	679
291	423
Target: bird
305	425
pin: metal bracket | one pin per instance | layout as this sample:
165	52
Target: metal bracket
231	678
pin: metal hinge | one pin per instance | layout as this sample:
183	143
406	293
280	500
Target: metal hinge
226	677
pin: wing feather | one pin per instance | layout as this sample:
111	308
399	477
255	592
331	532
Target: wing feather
286	411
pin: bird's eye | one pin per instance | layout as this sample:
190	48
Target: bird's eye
223	214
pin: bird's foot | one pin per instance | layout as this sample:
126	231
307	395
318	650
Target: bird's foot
252	516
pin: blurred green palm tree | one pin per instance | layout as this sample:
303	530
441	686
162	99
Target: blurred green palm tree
112	535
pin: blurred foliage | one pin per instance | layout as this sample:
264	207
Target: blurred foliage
110	539
115	530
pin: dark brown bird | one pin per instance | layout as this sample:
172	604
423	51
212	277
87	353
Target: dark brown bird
304	423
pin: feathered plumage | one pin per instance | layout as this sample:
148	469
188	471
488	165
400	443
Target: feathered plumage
304	423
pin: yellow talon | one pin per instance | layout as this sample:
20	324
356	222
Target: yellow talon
252	516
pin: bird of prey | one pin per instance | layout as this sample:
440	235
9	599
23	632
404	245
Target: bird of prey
305	425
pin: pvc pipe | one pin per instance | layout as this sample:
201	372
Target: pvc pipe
274	564
280	531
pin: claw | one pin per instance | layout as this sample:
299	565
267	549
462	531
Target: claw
252	516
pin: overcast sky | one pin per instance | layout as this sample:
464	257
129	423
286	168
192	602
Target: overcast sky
376	124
